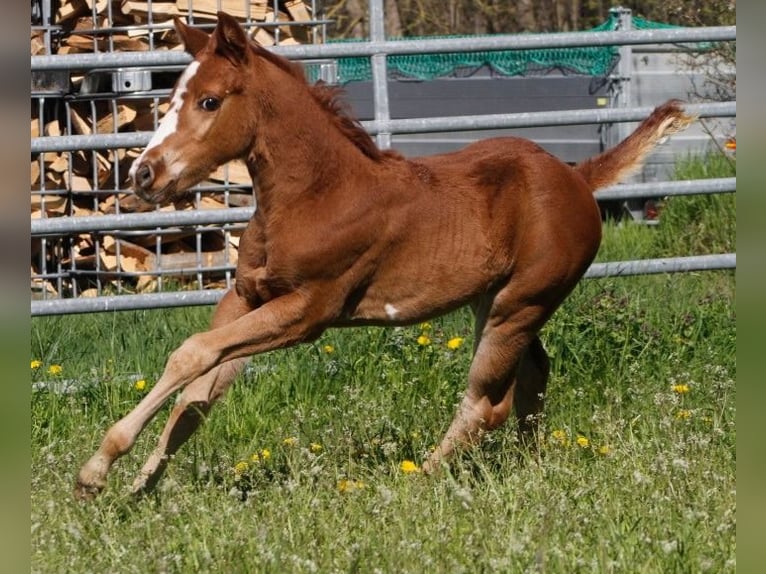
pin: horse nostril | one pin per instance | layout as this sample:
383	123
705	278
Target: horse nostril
144	176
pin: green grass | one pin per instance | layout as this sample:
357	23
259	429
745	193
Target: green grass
652	491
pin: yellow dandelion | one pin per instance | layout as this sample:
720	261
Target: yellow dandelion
684	414
582	441
425	326
455	343
603	449
241	467
680	389
315	447
255	458
329	349
424	340
290	441
560	436
55	369
265	454
407	467
140	385
347	485
35	364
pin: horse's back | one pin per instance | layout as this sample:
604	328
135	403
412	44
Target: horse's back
512	164
509	175
521	200
498	148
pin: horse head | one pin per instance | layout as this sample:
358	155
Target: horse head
207	123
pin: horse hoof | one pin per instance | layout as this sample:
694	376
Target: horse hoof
85	491
140	487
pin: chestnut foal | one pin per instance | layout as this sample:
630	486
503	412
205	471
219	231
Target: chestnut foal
346	234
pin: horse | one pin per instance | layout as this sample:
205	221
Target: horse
347	234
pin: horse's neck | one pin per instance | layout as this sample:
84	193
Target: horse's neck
300	151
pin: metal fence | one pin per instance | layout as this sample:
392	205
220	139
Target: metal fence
96	249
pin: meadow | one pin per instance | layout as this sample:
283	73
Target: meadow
311	462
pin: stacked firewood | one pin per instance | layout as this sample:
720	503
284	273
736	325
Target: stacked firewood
127	25
87	183
82	183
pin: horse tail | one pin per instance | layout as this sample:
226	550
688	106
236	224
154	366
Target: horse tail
618	162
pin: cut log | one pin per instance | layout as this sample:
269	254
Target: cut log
161	10
77	183
106	121
262	37
280	18
37	44
298	10
71	9
52	129
233	172
50	205
99	6
255	9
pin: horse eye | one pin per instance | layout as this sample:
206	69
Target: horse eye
210	104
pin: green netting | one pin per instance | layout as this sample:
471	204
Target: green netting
640	23
591	61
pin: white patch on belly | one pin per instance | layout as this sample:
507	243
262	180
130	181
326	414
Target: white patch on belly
390	310
169	122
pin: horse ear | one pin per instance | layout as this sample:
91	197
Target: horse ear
231	39
193	38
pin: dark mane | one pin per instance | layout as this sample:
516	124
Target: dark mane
330	99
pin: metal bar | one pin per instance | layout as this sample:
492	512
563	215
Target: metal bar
126	302
212	296
92	142
415	125
94	223
663	265
47	23
538	119
620	85
668	188
208	27
379	74
416	46
198	267
91	223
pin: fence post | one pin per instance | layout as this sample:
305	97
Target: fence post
620	81
379	73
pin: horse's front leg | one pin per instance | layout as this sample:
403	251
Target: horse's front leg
196	400
189	411
281	322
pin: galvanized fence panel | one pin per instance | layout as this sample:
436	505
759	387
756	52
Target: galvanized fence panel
115	98
80	249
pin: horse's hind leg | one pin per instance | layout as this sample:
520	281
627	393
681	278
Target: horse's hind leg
185	418
509	366
529	392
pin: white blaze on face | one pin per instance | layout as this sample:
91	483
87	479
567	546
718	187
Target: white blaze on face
169	122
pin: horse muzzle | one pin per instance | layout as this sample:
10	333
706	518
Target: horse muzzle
143	178
146	183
